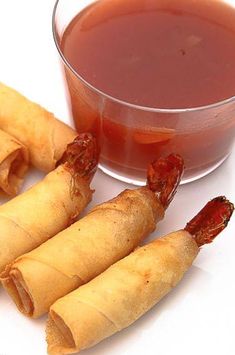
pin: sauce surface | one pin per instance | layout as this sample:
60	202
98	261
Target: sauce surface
163	54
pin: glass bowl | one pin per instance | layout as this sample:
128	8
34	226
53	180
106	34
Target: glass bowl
131	136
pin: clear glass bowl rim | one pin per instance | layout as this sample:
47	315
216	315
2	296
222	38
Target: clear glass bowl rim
125	103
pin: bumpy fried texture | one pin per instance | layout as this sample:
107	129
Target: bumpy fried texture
45	136
119	296
108	233
14	162
41	212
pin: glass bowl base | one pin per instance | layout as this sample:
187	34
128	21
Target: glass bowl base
141	182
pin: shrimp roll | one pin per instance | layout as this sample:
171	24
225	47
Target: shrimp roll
129	288
33	217
45	136
108	233
14	163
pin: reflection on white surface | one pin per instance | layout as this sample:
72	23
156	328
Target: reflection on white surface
230	2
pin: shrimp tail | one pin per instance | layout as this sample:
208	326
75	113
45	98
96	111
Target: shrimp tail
164	176
211	220
81	156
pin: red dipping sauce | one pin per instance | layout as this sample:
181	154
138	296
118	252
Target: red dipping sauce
165	56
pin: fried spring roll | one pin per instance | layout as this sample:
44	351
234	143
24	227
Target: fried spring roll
51	205
14	163
107	234
132	286
45	136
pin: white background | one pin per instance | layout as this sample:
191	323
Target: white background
198	317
